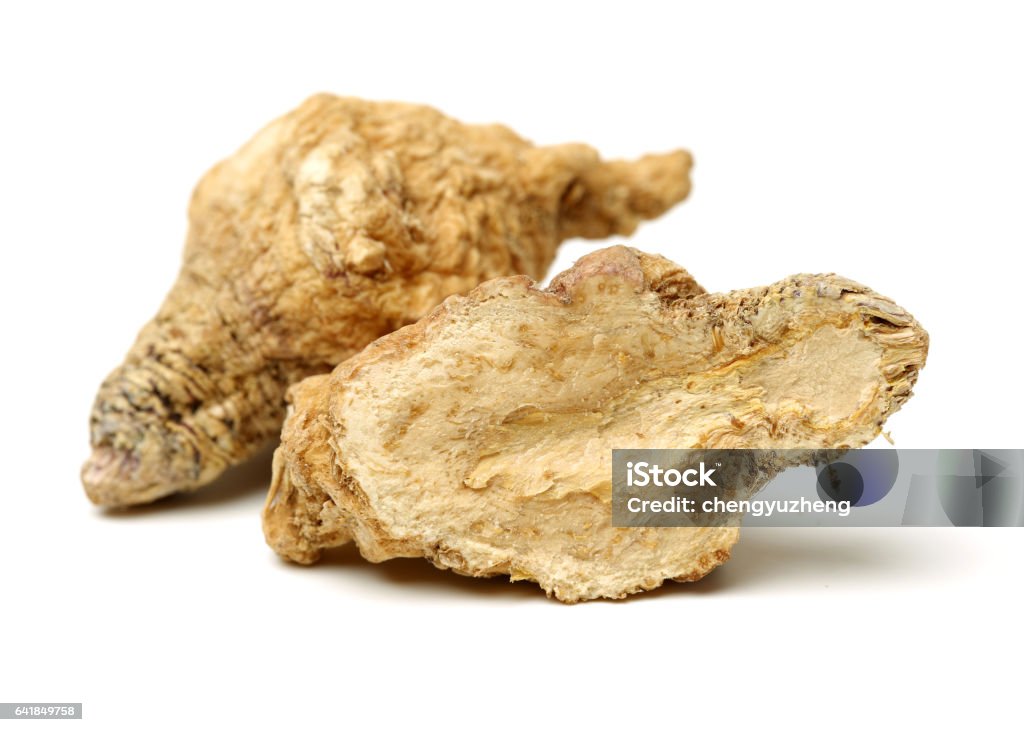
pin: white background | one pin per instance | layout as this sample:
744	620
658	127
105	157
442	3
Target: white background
882	141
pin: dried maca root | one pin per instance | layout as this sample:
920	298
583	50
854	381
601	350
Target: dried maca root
481	437
336	224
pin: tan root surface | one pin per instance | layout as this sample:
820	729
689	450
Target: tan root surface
481	437
334	225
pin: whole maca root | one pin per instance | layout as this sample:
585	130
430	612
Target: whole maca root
481	437
336	224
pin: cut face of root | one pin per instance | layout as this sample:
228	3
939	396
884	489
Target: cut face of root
480	438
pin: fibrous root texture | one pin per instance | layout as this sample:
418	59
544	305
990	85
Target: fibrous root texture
334	225
480	438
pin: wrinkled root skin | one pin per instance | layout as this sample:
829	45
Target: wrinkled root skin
336	224
480	438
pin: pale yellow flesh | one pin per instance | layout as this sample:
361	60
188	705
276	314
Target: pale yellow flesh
482	438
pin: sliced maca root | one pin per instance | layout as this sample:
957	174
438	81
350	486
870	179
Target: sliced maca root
339	222
480	438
